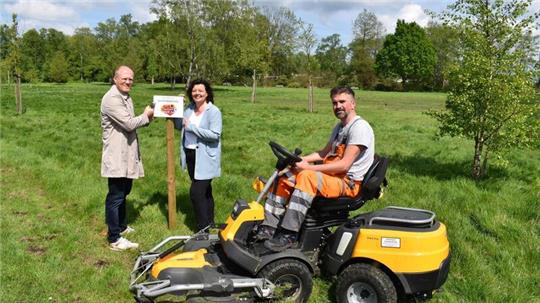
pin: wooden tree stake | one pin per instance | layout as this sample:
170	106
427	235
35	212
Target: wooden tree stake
171	181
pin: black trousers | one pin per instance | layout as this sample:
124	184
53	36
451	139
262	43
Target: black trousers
115	207
200	193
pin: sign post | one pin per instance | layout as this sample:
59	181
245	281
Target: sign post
170	107
171	179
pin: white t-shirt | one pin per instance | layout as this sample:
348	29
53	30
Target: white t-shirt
190	141
356	132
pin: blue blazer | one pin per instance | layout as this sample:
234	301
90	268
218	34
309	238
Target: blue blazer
208	151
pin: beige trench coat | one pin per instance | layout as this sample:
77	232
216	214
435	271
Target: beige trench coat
121	156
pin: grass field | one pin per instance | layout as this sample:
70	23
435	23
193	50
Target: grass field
53	246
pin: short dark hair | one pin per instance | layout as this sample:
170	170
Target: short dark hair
341	90
207	87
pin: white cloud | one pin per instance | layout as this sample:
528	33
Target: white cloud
67	15
414	12
327	7
42	10
62	16
409	13
141	12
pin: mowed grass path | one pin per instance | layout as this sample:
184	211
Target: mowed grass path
53	247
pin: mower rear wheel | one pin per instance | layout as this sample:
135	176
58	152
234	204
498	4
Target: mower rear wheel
364	283
292	278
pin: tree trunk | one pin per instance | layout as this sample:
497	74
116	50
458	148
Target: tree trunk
484	168
18	97
173	81
152	80
476	168
254	87
192	61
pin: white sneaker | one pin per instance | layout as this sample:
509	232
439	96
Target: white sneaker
123	244
128	230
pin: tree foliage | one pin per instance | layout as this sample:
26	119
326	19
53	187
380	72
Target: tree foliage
407	54
492	99
368	37
58	68
331	54
445	41
233	42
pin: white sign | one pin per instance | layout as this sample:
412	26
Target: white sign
168	106
391	242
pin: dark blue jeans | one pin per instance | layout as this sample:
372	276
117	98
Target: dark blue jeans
115	207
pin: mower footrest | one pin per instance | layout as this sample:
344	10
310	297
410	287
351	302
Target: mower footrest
263	288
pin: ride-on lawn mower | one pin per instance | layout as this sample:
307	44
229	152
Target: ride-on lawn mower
376	256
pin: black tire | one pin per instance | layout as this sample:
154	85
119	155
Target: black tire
292	278
364	283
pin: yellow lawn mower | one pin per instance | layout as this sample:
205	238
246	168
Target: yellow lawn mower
377	256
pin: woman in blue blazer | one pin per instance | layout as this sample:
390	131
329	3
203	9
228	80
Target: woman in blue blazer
200	148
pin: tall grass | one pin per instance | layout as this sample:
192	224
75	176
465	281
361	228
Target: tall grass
53	246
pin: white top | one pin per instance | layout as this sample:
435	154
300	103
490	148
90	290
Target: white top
191	139
356	132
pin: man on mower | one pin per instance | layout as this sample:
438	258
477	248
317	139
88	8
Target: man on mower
345	160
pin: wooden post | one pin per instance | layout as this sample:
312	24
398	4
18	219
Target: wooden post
254	86
171	181
18	97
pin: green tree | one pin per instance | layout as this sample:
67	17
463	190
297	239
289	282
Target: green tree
118	43
109	55
280	33
332	56
13	60
33	55
368	36
407	54
307	42
58	68
167	47
492	99
445	41
55	41
84	52
184	33
5	45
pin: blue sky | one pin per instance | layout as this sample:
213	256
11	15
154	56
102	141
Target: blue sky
327	16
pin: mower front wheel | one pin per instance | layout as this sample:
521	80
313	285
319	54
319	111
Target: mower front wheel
292	278
143	300
364	283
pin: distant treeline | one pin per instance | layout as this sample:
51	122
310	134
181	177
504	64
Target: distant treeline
231	43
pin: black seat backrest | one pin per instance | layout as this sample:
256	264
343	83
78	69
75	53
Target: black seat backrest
374	179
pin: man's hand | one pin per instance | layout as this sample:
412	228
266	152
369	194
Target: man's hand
148	111
299	166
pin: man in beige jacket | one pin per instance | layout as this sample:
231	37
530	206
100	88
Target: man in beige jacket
121	160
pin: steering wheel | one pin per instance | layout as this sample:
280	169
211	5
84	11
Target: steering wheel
285	157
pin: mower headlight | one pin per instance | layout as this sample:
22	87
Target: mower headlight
238	207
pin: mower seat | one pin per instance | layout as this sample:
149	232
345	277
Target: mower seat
372	184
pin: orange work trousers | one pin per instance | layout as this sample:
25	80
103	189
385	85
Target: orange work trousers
291	198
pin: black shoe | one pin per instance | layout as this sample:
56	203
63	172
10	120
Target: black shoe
264	233
281	242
